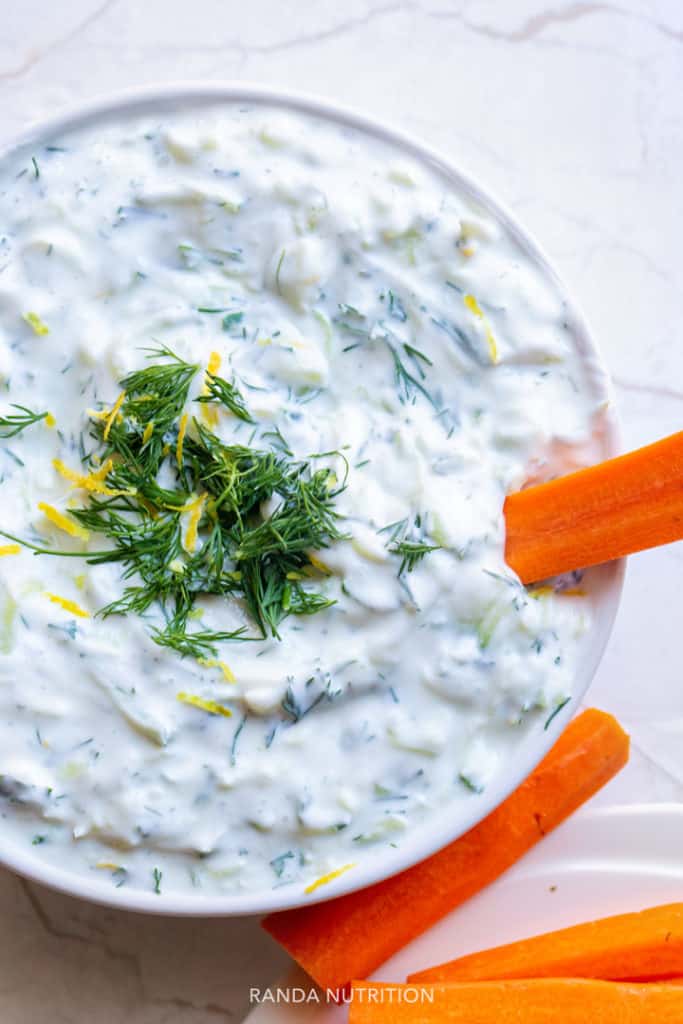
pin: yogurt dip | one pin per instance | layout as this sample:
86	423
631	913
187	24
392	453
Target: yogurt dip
337	311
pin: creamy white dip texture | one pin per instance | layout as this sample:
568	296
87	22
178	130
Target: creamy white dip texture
375	323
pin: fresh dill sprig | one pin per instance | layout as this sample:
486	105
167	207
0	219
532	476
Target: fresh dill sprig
277	440
408	385
411	552
225	392
199	644
255	513
410	546
14	423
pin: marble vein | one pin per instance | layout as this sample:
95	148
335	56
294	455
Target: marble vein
51	929
653	390
335	31
185	1004
34	56
536	25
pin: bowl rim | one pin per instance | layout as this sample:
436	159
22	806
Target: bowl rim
185	96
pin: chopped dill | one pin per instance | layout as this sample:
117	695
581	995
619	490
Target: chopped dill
36	168
411	549
236	736
469	784
358	332
278	269
408	385
411	552
416	355
157	876
556	712
279	863
396	308
277	440
14	423
69	628
231	320
293	708
346	310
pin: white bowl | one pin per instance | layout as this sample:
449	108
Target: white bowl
606	581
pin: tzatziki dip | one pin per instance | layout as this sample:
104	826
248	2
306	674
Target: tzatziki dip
265	382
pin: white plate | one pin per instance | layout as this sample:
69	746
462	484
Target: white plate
601	862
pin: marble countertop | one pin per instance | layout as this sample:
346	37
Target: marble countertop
570	112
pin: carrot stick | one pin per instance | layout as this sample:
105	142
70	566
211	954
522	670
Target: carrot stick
349	937
646	946
615	508
540	1001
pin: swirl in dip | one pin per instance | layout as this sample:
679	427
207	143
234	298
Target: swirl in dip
311	643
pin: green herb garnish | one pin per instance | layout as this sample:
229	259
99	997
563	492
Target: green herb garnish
278	269
210	533
157	876
411	548
408	385
235	738
225	393
469	784
231	320
556	712
279	863
412	553
14	423
396	308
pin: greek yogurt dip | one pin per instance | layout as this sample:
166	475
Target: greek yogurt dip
299	642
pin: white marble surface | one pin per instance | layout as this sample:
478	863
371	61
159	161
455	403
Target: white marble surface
570	112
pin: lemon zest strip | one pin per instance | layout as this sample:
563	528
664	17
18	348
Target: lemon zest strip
182	430
38	326
325	879
539	592
195	510
318	564
113	412
9	549
60	520
475	308
211	706
67	605
90	481
209	412
228	674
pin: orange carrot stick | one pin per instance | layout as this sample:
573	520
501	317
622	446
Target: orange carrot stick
615	508
349	937
540	1001
647	946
